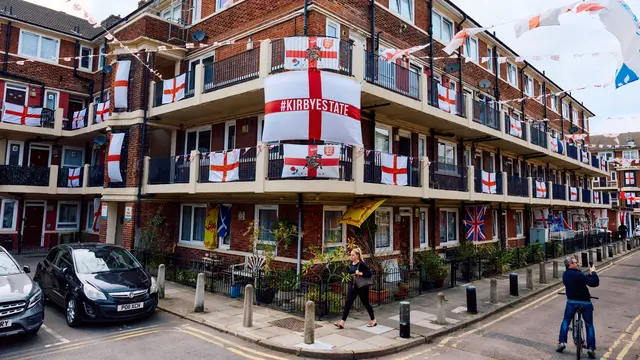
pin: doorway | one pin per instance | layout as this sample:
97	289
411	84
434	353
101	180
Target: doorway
405	234
404	145
32	236
39	155
74	105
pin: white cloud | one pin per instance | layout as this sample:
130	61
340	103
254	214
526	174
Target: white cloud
98	9
578	34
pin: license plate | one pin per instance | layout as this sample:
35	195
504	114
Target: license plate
128	307
5	323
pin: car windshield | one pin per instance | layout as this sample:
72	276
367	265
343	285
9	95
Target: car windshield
91	261
7	265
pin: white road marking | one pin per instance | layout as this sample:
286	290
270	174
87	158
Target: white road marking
58	337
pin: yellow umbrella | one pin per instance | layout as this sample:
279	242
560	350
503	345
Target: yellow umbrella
360	211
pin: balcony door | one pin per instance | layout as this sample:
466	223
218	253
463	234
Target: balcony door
404	145
39	155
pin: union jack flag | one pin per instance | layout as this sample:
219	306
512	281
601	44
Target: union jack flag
474	222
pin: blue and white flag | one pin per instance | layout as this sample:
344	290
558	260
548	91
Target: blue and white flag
224	220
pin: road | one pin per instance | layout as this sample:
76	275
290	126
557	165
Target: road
162	337
531	330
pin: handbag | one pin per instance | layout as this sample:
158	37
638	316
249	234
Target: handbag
361	281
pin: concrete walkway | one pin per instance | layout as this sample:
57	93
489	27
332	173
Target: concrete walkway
357	340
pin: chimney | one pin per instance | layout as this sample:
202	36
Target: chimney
109	21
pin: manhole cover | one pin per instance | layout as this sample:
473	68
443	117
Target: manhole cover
291	323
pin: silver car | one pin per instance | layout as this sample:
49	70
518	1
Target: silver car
21	301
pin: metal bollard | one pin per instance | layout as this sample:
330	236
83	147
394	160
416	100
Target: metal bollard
585	260
513	284
610	248
529	282
628	245
591	255
309	322
472	305
441	318
160	281
599	254
493	292
543	273
556	273
199	303
405	320
605	252
247	316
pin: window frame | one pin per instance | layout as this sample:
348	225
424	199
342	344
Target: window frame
196	13
465	50
227	126
343	242
78	215
490	66
447	143
633	153
15	214
39	46
391	222
520	214
57	93
171	10
442	22
422	138
333	23
256	221
390	130
89	227
495	231
528	85
575	116
457	230
20	154
398	11
197	130
565	105
72	148
554	103
190	241
515	77
90	58
424	211
16	87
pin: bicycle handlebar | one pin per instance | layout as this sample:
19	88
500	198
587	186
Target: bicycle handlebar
593	297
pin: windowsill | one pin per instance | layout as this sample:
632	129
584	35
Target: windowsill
448	244
39	59
67	229
8	231
487	242
92	232
193	245
423	247
224	247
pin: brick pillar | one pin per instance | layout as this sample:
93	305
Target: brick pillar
129	228
103	225
135	146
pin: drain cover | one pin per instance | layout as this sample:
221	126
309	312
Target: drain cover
291	323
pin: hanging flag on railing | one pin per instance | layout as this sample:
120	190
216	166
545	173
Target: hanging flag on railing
541	189
302	53
515	127
474	223
103	111
113	158
316	161
394	169
173	89
224	167
78	119
121	84
73	178
21	115
447	99
489	182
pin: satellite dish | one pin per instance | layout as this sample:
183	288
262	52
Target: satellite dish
485	84
107	69
199	35
100	140
573	129
452	67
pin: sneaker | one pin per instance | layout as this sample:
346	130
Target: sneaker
591	353
561	347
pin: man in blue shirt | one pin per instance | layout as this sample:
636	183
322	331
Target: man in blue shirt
576	282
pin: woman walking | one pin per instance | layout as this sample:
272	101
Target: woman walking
359	287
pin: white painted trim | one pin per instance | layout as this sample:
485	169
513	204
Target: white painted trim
399	11
516	75
87	228
495	225
477	54
426	227
190	241
259	135
457	227
453	24
24	87
15	213
196	10
256	221
20	155
40	36
44	216
228	125
65	148
57	93
390	130
78	214
334	24
391	223
197	130
90	68
42	146
526	79
343	242
521	213
220	238
424	139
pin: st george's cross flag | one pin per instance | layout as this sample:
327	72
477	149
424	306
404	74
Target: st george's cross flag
21	115
596	197
585	156
573	193
73	178
312	105
77	122
546	18
113	157
173	89
311	52
515	127
541	189
97	205
541	216
316	161
460	38
102	111
474	223
121	84
447	99
394	169
224	166
489	182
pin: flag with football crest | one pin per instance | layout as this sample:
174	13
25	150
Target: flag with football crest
474	223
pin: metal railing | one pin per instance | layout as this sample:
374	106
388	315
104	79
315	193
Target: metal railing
448	176
517	186
373	169
48	118
189	87
233	70
595	162
96	175
507	128
169	170
486	114
572	151
538	137
67	179
391	76
586	196
497	177
605	198
24	175
246	166
276	164
345	56
559	192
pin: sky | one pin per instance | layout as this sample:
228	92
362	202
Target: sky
578	34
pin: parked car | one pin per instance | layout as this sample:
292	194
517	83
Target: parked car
21	305
97	283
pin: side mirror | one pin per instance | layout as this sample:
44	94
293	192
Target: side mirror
26	269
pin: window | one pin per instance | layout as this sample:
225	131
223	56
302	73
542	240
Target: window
424	228
16	94
446	156
198	139
498	61
414	82
554	103
382	140
334	234
192	222
490	61
15	150
422	146
384	234
333	29
630	154
629	178
613	175
86	60
51	99
64	260
173	13
230	135
519	223
528	85
8	214
196	10
72	157
442	28
494	224
266	216
39	46
68	215
512	75
575	117
402	7
471	48
540	91
90	218
565	110
103	58
448	226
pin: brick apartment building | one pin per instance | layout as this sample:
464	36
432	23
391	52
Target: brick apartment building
162	163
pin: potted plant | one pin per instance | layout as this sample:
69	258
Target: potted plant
287	285
469	255
499	261
428	261
440	274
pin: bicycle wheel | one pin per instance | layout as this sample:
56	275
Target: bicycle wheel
577	330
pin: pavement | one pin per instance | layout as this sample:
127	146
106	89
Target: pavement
357	340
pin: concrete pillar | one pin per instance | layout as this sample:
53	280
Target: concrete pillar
543	273
198	306
442	313
309	322
247	315
529	278
160	280
494	291
556	273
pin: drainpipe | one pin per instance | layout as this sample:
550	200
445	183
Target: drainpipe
372	57
106	49
145	100
75	75
460	91
305	15
431	69
526	65
299	262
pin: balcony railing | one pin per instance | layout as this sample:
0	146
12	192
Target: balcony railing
233	70
497	177
434	100
67	124
246	166
278	56
507	128
189	88
586	196
486	114
538	137
373	169
24	175
48	118
96	175
595	162
66	181
276	164
448	176
559	192
605	198
517	186
391	76
168	170
572	151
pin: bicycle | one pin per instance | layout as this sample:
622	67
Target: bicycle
579	334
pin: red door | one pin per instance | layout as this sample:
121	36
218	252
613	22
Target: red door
32	234
39	156
405	236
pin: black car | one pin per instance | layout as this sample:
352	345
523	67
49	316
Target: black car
97	283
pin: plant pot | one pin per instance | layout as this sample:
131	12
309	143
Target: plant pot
336	288
377	296
439	283
265	296
235	291
427	285
401	293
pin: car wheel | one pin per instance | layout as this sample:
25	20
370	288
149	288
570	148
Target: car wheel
71	311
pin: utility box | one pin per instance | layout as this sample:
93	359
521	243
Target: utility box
538	235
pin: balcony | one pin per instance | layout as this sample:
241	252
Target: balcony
595	162
586	196
169	170
486	114
276	165
24	175
278	56
373	169
70	179
559	192
233	70
189	86
391	76
246	166
96	175
448	176
538	137
517	186
44	180
496	177
508	130
605	198
572	151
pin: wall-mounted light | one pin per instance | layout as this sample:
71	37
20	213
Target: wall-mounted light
33	92
245	129
241	215
416	212
396	137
